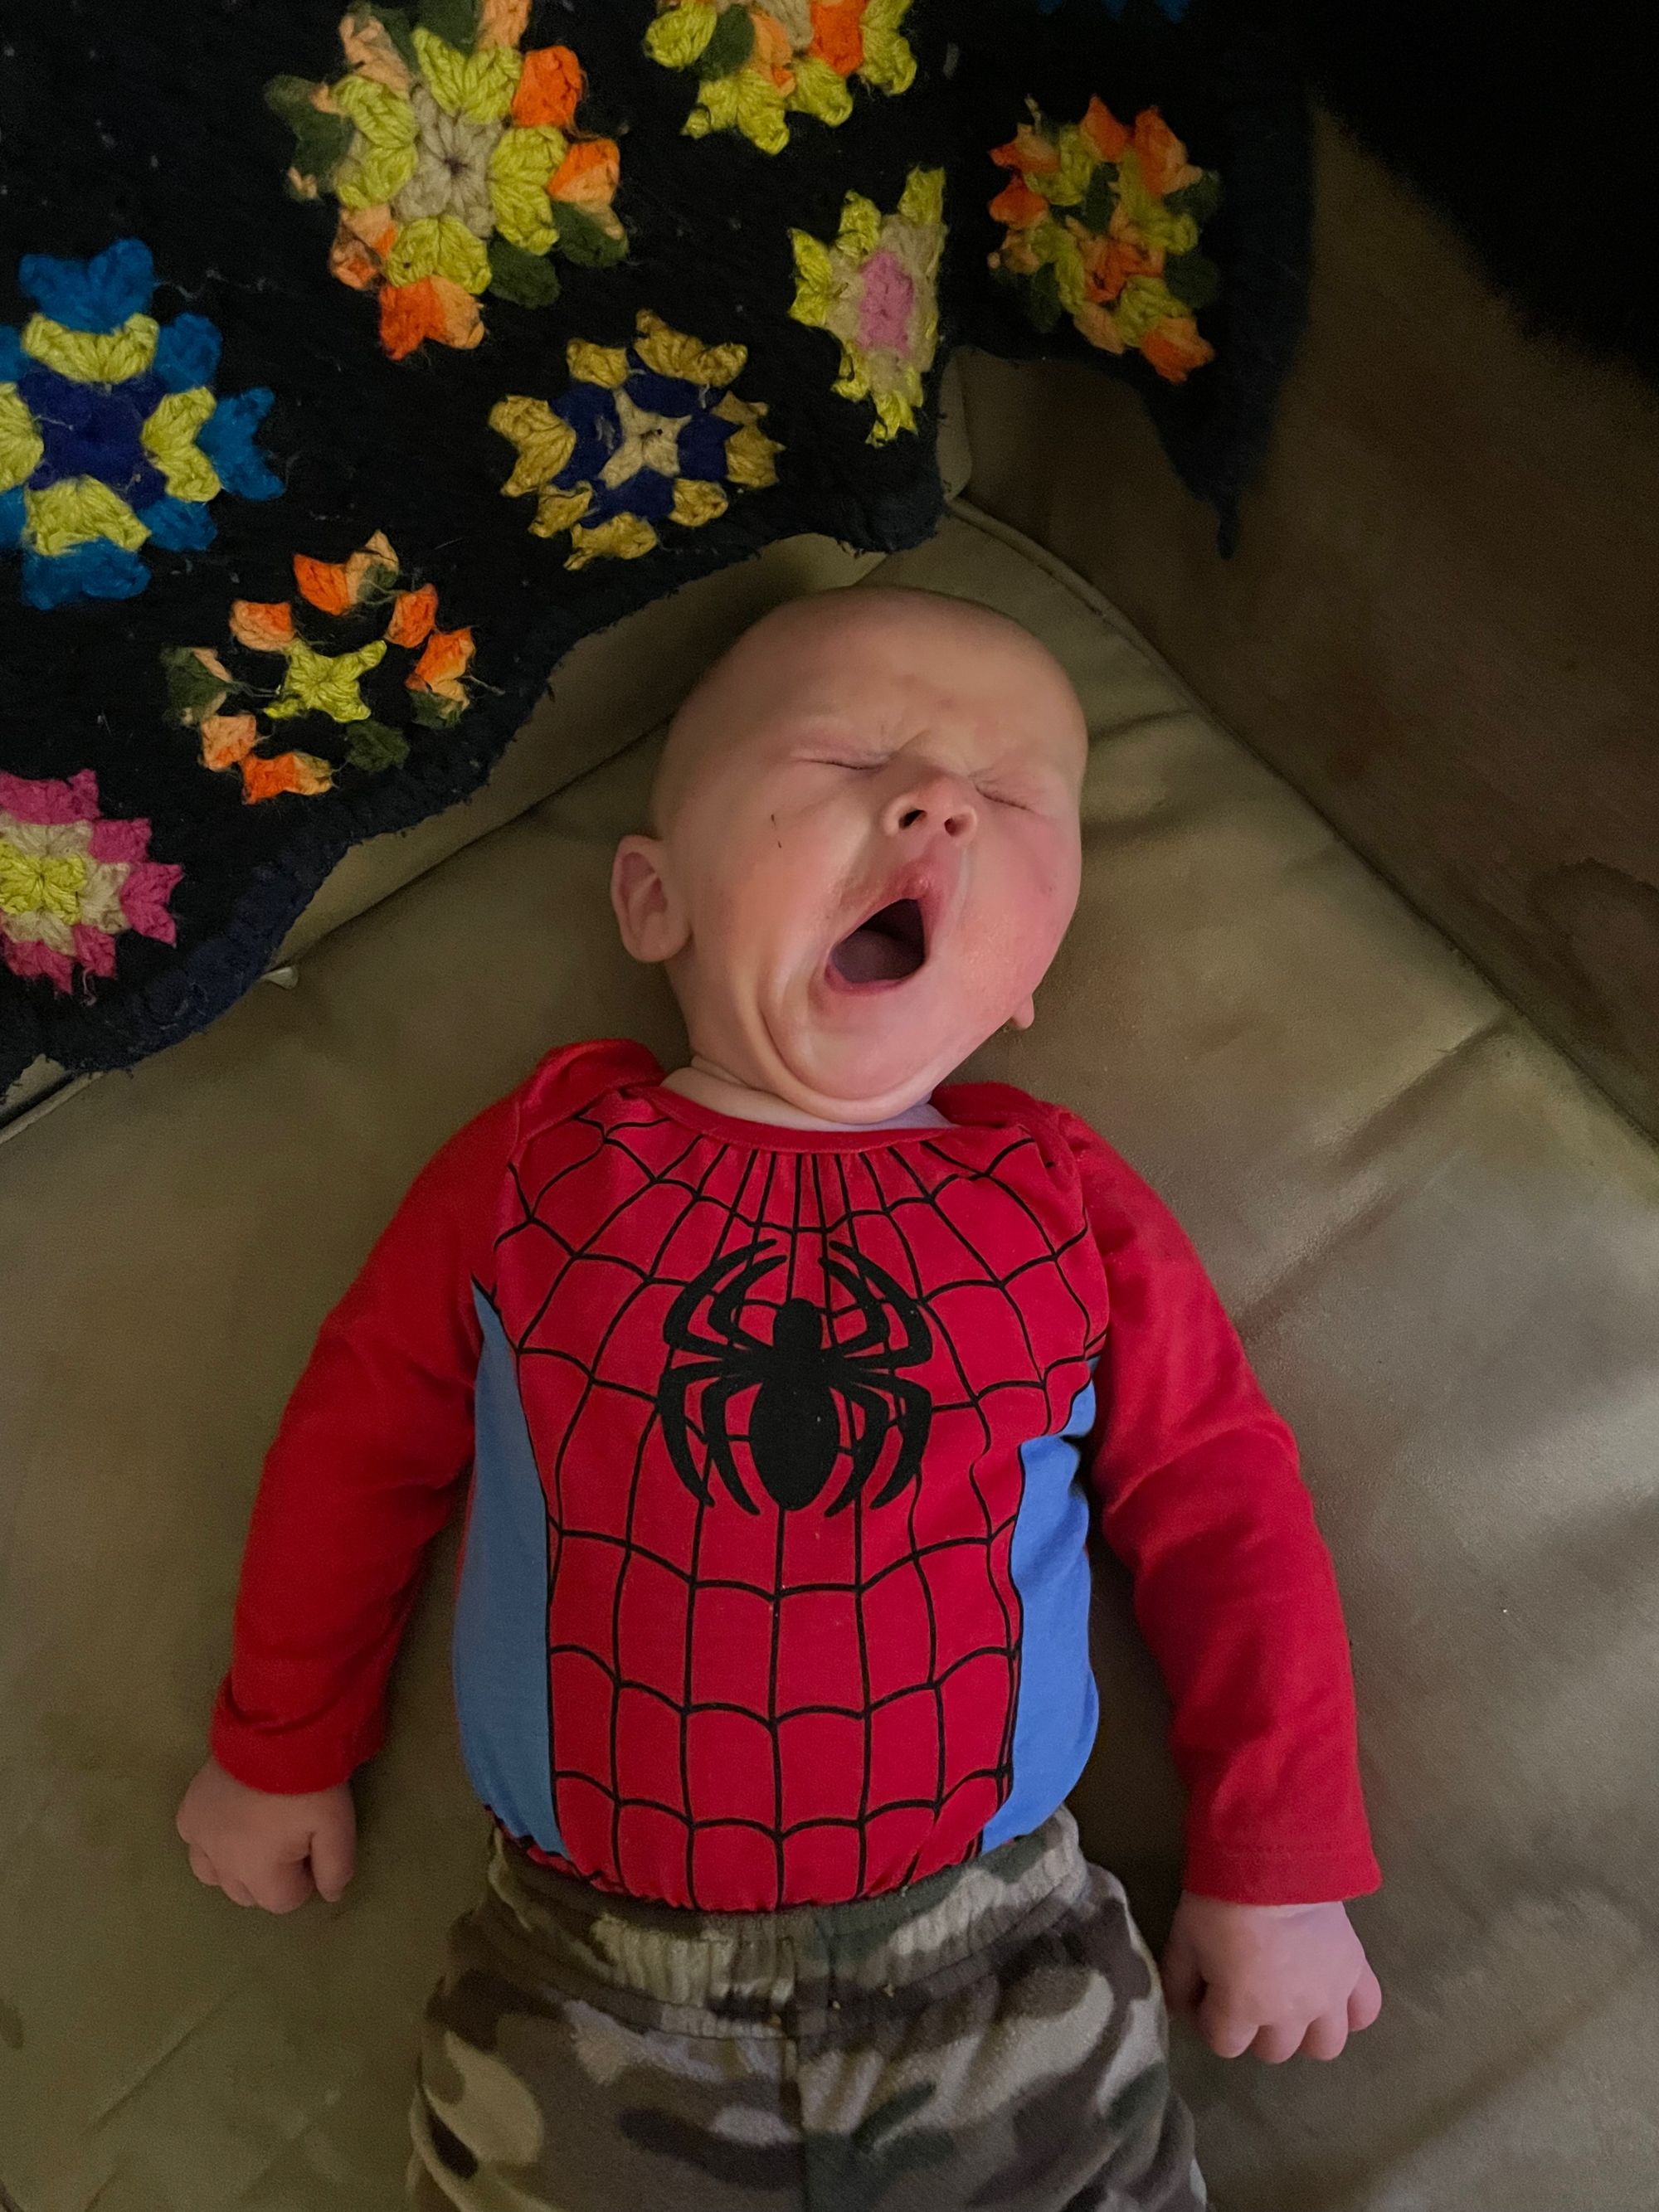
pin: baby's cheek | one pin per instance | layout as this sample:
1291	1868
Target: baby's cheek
793	873
1039	914
752	899
1057	878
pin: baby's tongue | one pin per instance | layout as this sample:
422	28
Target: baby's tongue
885	948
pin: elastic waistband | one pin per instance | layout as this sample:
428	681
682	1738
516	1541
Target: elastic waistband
788	1973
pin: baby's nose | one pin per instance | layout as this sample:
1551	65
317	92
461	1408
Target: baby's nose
939	802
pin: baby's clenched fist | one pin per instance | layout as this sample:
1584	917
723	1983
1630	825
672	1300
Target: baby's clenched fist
1276	1979
262	1849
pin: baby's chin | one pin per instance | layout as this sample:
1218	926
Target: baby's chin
872	1070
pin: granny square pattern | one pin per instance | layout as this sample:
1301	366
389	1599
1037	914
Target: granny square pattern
358	360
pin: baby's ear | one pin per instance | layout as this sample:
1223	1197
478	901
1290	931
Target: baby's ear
648	914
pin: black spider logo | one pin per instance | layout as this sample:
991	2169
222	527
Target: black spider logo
817	1398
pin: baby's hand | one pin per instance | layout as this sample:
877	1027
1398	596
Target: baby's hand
1275	1979
265	1850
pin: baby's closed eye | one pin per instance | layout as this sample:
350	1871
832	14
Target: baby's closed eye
1000	795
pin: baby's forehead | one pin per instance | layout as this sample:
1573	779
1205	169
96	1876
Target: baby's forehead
879	631
884	655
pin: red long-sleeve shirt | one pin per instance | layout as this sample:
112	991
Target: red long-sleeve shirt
784	1447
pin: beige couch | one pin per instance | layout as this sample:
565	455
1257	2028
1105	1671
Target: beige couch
1441	1243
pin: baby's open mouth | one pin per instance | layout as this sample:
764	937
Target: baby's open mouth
891	945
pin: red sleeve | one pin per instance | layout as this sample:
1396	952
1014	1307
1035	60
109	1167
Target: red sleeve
363	1474
1200	1497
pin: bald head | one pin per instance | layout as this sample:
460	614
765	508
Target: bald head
866	848
869	650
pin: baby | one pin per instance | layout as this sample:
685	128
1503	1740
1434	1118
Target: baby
790	1385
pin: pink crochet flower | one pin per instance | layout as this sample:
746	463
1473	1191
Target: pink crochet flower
71	881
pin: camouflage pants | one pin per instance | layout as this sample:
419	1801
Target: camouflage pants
993	2037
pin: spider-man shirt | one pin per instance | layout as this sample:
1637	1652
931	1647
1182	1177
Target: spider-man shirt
785	1448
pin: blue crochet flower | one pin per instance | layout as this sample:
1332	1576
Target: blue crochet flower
635	444
111	435
644	434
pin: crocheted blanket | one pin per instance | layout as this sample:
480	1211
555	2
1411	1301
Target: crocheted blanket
352	370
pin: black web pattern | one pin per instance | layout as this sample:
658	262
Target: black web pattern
877	1818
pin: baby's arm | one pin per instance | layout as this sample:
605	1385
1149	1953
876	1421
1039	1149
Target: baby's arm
362	1475
1201	1496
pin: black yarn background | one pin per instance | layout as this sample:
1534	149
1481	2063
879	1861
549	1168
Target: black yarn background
118	121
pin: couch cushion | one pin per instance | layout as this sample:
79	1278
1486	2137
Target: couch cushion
1444	1252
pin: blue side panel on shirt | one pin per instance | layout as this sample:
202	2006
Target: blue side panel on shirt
1058	1708
501	1608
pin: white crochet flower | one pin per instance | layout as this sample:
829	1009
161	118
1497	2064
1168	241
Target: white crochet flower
452	174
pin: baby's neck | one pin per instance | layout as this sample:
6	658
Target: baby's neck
723	1094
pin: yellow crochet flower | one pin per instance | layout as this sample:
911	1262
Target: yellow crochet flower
457	168
225	710
41	881
663	444
1102	223
876	289
325	684
760	61
73	879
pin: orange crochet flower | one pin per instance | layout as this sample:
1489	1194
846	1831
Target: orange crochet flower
774	50
413	614
838	34
441	667
1029	150
588	175
437	149
760	61
228	741
1175	347
321	685
1017	205
431	308
337	586
365	237
503	22
302	773
1109	138
325	583
548	88
267	625
1110	262
1103	223
1163	164
228	738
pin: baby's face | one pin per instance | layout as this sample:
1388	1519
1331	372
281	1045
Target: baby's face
869	848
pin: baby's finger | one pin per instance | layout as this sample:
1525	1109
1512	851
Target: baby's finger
1228	2034
333	1857
285	1888
1275	2043
202	1867
1365	2002
237	1892
1183	1983
1327	2037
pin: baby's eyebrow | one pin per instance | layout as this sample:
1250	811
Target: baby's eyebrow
831	723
